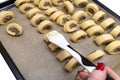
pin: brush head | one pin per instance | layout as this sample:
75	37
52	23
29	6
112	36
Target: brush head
57	39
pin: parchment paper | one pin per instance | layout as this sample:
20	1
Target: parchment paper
34	59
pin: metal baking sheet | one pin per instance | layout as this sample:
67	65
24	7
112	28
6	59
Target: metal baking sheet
34	59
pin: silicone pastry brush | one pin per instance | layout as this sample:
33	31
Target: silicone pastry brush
59	40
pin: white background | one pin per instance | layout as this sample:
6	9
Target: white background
5	72
114	5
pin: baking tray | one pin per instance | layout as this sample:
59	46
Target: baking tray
34	59
6	4
10	63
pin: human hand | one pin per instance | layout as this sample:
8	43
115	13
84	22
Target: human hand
100	73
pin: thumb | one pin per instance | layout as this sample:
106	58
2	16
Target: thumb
99	73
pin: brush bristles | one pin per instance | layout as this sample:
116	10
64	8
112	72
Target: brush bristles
57	38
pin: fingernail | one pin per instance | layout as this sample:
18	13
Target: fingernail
100	66
80	71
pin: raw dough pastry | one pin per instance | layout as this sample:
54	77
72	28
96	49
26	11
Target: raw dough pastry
78	77
68	7
91	8
37	19
36	2
116	31
95	30
80	3
53	47
95	55
104	39
31	0
87	24
26	7
32	12
50	11
45	26
70	26
62	19
55	15
45	4
46	39
108	23
71	65
57	2
6	17
80	16
99	16
14	29
63	55
113	47
78	36
20	2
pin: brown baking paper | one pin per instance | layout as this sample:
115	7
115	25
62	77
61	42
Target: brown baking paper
34	59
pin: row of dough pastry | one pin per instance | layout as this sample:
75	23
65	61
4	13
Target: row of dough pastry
72	63
94	30
67	22
90	7
82	15
111	45
89	25
69	26
107	23
37	19
42	4
62	19
67	6
14	29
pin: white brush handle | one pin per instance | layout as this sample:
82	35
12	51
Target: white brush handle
82	60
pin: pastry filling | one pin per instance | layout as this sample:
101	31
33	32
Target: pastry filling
52	12
7	18
47	27
73	25
22	3
76	65
81	37
67	60
60	1
97	34
35	14
39	21
82	18
28	8
91	10
47	4
65	20
106	42
117	50
15	30
65	8
110	26
82	4
101	18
